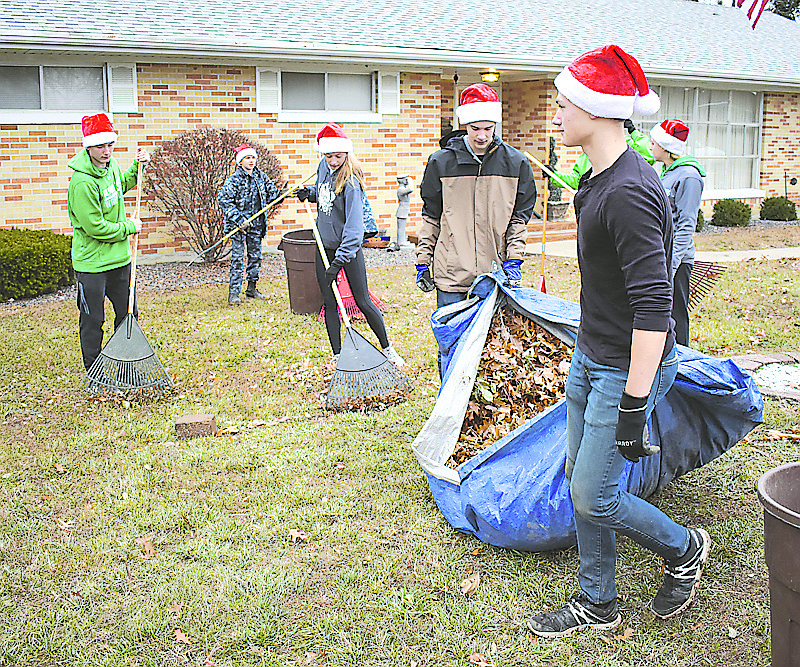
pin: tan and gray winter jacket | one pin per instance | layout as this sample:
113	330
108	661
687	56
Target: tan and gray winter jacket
474	212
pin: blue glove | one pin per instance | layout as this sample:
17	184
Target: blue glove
424	280
512	269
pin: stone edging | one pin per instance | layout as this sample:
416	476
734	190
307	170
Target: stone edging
752	362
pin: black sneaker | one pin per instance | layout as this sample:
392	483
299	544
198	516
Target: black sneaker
682	576
577	614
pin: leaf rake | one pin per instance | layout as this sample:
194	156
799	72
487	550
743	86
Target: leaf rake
128	362
362	372
702	279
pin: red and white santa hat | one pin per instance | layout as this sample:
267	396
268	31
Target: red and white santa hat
243	150
479	102
97	130
608	83
671	135
332	139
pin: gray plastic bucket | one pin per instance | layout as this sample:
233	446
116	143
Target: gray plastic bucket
779	493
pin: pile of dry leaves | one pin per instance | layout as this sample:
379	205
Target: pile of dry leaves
522	372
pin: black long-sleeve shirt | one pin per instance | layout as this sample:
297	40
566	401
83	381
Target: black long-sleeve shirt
624	255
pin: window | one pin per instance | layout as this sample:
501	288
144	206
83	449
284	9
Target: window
55	94
325	96
724	133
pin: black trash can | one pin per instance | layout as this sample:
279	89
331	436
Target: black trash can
779	493
299	248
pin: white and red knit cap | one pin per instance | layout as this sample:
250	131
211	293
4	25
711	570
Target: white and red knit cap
97	130
332	139
671	135
243	150
608	83
479	102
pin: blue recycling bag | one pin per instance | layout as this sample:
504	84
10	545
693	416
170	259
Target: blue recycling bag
515	494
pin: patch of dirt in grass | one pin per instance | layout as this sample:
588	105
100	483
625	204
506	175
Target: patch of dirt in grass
753	237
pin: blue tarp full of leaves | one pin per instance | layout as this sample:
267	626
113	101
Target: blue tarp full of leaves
514	494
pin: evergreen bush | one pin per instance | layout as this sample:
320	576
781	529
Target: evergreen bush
778	208
33	262
731	213
701	221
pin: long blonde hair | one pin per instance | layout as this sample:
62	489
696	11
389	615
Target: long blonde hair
350	168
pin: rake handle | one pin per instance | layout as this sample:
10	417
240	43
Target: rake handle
274	202
549	171
132	285
326	264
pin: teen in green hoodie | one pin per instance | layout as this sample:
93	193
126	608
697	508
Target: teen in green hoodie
682	178
637	140
101	252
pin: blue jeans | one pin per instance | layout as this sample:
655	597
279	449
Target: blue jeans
445	299
594	468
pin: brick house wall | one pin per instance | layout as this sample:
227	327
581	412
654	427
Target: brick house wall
780	144
176	98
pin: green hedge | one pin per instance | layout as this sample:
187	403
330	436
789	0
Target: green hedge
778	208
33	262
731	213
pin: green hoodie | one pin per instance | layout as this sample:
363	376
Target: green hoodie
636	140
96	211
686	160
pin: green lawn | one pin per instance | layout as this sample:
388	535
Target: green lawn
300	537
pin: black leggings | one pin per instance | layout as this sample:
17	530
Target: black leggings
680	302
356	273
93	288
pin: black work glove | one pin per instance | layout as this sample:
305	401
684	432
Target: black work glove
629	126
631	435
306	193
332	271
424	280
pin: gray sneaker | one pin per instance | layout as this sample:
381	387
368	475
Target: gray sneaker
578	613
234	300
682	576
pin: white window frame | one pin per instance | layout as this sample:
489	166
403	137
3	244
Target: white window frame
123	98
645	123
386	93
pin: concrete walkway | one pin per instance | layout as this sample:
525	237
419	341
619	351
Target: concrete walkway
569	249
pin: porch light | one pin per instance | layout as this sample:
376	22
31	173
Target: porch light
490	75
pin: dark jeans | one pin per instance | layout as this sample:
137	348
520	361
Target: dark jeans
93	288
356	273
680	302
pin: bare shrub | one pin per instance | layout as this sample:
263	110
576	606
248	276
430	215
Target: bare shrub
185	175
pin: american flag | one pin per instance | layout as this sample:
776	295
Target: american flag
753	9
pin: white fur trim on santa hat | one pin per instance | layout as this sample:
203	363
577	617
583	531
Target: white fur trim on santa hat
605	105
242	154
477	111
99	139
334	145
667	141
